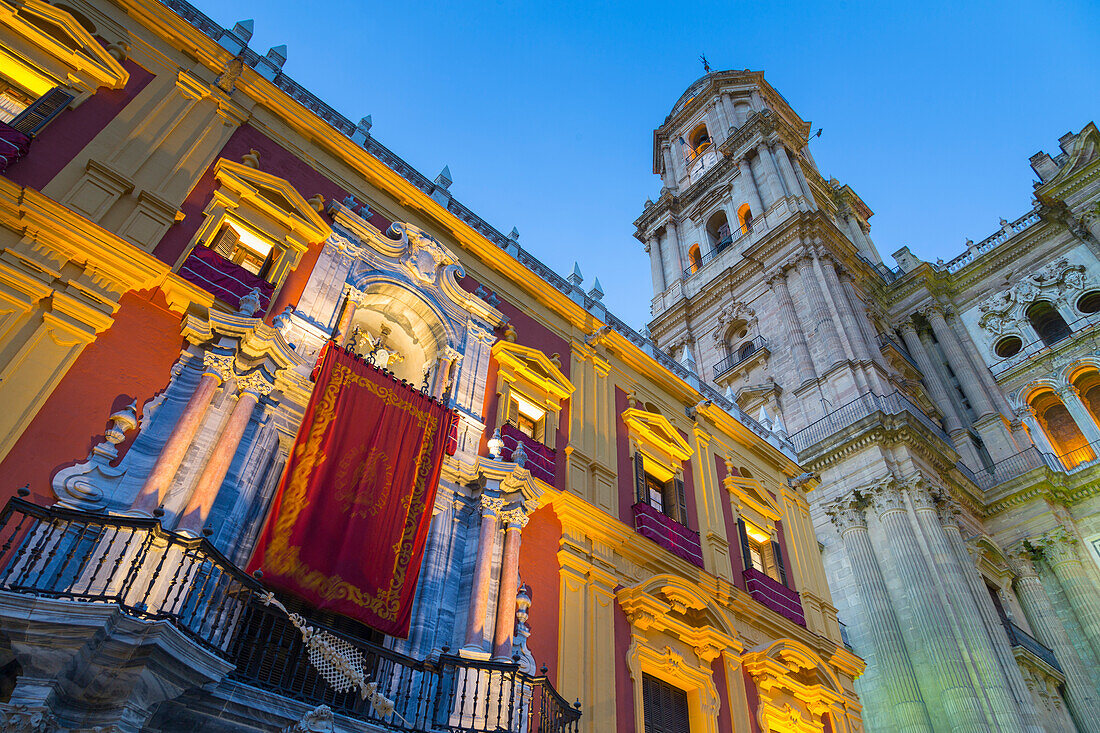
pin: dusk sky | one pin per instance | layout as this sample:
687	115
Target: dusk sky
545	112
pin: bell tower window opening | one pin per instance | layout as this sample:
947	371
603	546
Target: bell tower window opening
744	218
699	140
1047	322
718	231
695	257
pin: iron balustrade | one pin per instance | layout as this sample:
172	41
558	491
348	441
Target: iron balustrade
744	352
862	407
756	225
1038	347
885	340
1019	637
153	573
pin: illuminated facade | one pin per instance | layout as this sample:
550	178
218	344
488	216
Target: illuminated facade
182	229
950	409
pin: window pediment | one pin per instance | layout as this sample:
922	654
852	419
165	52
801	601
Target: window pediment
532	368
655	431
57	46
273	198
751	494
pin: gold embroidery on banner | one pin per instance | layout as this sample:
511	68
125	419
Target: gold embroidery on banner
284	559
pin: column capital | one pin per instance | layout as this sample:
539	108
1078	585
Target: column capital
490	505
932	311
1021	561
908	326
847	514
1058	547
218	365
948	510
514	518
255	383
887	496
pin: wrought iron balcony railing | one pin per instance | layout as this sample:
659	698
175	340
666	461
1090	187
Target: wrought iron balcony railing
861	407
744	352
1019	637
152	573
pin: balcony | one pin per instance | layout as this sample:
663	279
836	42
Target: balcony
757	347
227	281
150	573
540	458
668	533
862	407
776	596
1023	640
757	225
13	145
1030	459
1039	348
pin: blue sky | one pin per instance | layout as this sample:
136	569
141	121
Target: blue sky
545	111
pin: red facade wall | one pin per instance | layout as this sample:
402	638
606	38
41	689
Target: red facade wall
785	553
129	361
725	716
752	697
622	460
732	535
538	569
72	130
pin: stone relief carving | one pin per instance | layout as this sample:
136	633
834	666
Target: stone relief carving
1055	281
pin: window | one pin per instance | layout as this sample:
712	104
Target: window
1008	346
528	417
664	707
242	247
700	139
747	349
760	552
695	257
1089	302
744	217
718	230
660	488
1047	322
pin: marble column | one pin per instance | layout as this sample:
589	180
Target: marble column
483	567
948	512
514	522
860	316
819	309
902	699
930	629
217	369
848	323
194	516
756	206
1071	398
723	122
771	174
960	364
656	267
931	377
971	634
671	174
1059	549
800	352
673	243
1038	435
789	180
1084	702
1000	402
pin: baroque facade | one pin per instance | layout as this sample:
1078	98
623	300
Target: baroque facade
951	410
614	544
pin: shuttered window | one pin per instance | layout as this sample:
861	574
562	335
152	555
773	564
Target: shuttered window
667	497
665	707
31	120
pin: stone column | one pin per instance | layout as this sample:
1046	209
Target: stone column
514	522
968	380
1084	703
672	176
936	388
788	176
252	388
656	267
723	121
948	511
859	313
849	324
218	368
800	352
343	327
771	174
930	628
1071	398
1059	548
479	591
1038	435
901	692
819	309
1000	402
756	206
672	229
971	633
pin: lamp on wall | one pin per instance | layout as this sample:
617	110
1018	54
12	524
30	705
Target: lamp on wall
495	445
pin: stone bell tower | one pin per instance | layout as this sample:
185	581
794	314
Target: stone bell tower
767	284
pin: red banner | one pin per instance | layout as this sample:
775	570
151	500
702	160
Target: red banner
347	526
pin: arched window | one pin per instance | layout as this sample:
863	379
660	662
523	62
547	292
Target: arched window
746	350
1061	429
744	217
1047	322
699	139
696	258
718	230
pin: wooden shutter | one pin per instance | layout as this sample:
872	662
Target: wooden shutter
640	491
31	120
681	501
777	552
225	242
746	553
664	707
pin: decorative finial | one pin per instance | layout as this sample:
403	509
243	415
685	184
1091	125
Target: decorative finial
251	159
118	50
317	201
596	293
514	234
250	304
495	445
519	455
509	333
555	359
122	422
444	180
576	278
281	321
